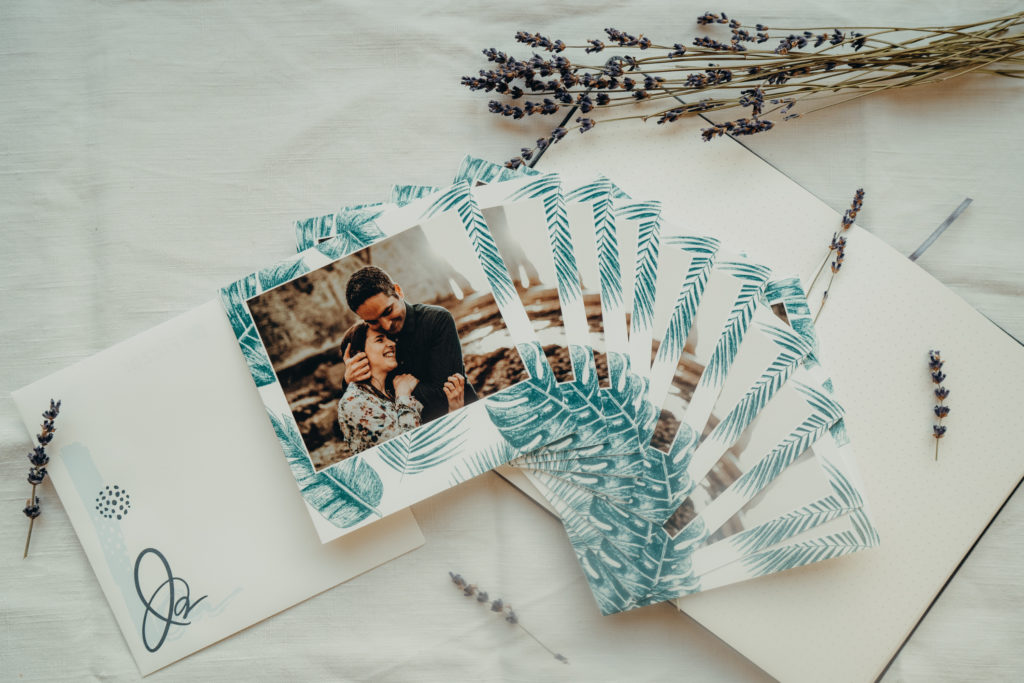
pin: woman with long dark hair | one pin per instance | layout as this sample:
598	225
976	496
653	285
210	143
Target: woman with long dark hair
381	407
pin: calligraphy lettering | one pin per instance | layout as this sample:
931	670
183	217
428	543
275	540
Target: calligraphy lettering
176	610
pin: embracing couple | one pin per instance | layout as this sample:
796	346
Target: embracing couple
403	363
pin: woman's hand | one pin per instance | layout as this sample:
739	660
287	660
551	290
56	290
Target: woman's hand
404	384
455	391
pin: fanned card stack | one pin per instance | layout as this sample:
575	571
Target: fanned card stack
662	395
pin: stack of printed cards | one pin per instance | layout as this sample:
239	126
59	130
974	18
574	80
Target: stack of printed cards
662	395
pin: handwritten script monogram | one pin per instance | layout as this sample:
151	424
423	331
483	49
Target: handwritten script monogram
177	609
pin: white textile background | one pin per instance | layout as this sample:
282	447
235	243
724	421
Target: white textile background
154	151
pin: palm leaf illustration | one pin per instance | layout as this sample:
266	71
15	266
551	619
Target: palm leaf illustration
620	526
618	466
674	567
619	429
345	496
578	495
233	298
647	244
790	293
487	254
821	402
401	195
556	452
792	348
599	195
786	526
310	231
752	277
430	445
359	224
357	490
530	414
337	247
548	188
611	595
618	489
448	199
690	292
841	485
283	272
826	412
351	229
864	529
476	171
634	579
583	535
800	554
481	461
666	482
839	433
460	198
628	390
564	495
583	396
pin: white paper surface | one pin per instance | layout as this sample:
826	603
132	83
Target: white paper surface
172	418
156	150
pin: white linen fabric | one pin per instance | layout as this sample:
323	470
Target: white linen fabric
153	152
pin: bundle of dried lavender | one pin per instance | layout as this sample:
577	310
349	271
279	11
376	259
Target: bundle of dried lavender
37	473
806	65
500	607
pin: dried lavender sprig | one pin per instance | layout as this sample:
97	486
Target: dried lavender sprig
838	248
848	218
37	473
941	410
499	606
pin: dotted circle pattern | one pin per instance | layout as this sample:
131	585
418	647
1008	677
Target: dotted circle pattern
113	502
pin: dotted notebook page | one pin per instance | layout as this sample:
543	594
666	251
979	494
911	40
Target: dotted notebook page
845	618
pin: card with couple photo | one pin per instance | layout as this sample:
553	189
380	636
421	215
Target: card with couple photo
397	361
729	466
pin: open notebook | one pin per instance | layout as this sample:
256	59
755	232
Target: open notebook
844	619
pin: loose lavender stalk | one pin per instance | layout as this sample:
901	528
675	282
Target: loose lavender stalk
941	410
848	218
500	607
837	247
37	473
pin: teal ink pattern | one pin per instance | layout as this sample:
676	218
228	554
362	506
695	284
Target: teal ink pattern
433	443
531	414
341	503
402	195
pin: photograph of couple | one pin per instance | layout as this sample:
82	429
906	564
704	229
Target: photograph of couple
383	341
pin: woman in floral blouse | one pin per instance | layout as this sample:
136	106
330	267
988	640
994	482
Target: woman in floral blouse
380	408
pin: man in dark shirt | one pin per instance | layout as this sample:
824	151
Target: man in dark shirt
425	336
